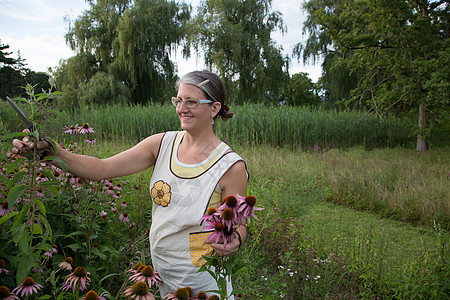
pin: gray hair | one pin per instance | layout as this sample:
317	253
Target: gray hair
213	87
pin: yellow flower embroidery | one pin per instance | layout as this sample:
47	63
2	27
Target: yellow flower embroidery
161	193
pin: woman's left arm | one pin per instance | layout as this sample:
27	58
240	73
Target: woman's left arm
233	182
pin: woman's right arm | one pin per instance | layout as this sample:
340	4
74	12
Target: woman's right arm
138	158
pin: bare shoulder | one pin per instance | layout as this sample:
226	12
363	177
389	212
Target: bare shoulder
234	181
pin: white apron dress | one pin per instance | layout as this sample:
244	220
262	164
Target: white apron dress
181	195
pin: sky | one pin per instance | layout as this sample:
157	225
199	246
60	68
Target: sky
36	28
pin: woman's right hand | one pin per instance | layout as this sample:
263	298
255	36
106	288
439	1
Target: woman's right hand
25	145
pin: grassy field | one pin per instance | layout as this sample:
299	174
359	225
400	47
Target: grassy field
322	235
344	216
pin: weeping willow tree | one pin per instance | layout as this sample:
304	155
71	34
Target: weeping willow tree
131	43
234	38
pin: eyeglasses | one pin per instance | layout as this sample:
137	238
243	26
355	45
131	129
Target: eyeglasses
189	103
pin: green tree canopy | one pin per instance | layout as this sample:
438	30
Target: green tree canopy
399	51
131	42
235	38
300	90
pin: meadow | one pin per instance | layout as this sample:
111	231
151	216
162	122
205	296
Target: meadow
350	210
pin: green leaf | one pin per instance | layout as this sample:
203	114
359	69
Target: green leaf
36	229
23	268
20	237
60	162
47	225
45	297
13	165
15	193
74	247
41	206
55	191
23	212
8	216
17	177
13	135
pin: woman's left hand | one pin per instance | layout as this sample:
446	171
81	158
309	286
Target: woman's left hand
220	248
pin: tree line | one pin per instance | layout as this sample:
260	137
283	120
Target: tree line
385	57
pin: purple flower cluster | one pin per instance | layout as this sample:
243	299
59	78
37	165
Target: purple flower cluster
234	211
83	129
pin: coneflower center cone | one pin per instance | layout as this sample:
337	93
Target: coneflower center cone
69	260
218	226
228	214
2	263
211	211
231	201
28	281
140	288
250	200
147	271
91	295
80	272
4	292
182	293
5	205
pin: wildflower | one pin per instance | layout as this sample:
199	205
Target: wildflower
71	129
40	192
103	215
117	195
135	268
124	218
37	270
90	141
247	207
114	209
2	267
182	294
92	295
110	190
124	204
209	214
220	232
78	278
95	246
66	264
85	129
41	177
27	287
139	291
132	225
5	294
148	275
4	209
118	187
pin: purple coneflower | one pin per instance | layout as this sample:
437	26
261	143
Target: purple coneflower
110	190
148	275
92	295
85	129
182	293
27	287
66	264
78	278
104	215
71	129
139	291
124	217
124	204
220	232
247	207
114	209
5	294
4	209
118	187
41	177
90	141
2	267
209	214
37	270
135	268
40	192
117	195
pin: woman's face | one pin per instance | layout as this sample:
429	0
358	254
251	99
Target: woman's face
199	117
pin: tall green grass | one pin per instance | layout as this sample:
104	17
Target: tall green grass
252	124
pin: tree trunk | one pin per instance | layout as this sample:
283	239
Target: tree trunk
421	143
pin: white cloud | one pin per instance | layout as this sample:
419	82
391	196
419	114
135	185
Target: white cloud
37	29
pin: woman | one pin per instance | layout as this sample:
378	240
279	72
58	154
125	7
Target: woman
193	170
